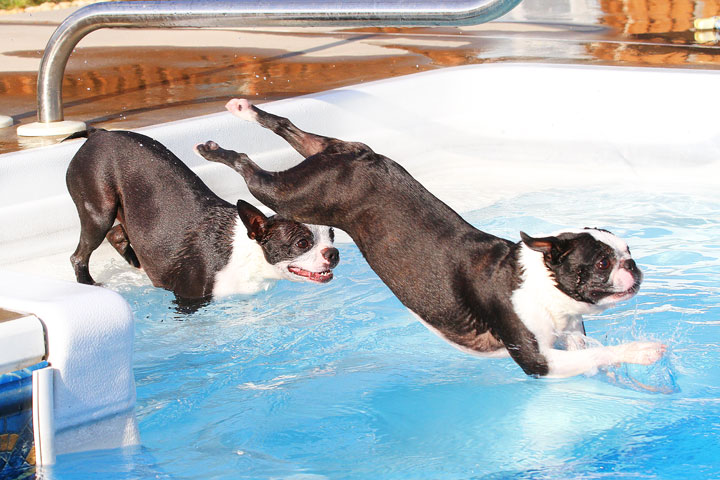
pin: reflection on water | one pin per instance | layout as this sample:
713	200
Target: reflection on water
129	87
308	381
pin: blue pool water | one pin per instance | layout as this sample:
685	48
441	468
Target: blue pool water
338	381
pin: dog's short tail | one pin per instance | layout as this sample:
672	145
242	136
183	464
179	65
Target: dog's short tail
84	133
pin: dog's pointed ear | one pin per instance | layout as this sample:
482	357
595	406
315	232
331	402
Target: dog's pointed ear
552	248
254	220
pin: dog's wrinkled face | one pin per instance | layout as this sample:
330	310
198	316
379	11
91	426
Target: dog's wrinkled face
298	251
591	265
301	252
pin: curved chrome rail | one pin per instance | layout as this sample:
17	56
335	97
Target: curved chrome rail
236	13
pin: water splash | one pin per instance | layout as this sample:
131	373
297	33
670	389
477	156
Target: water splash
656	378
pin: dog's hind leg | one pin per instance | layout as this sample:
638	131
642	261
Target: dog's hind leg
293	193
93	228
239	162
118	238
305	143
261	183
187	306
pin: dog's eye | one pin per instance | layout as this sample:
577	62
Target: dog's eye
302	244
603	264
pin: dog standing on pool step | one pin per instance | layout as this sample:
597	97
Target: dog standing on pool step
483	294
186	238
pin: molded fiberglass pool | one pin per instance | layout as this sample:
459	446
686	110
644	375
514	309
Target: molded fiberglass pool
340	381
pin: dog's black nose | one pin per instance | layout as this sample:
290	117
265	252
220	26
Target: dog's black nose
630	265
332	256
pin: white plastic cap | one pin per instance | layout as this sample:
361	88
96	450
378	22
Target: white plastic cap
39	129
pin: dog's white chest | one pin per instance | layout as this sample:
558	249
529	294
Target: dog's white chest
247	272
541	306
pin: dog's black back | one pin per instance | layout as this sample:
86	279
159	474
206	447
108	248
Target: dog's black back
166	211
453	276
482	293
457	271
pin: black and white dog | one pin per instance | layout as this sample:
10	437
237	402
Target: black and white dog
186	238
481	293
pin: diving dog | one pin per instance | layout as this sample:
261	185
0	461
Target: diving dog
170	224
483	294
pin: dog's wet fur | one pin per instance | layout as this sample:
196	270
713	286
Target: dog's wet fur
485	295
169	223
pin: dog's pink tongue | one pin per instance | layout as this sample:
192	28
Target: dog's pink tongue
320	277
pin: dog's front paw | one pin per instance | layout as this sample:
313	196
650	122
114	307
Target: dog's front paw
641	353
241	108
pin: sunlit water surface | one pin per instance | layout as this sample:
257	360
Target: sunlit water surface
339	381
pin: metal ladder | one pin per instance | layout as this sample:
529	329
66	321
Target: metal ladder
232	13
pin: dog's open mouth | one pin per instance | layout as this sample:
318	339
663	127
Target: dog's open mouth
614	297
318	277
629	293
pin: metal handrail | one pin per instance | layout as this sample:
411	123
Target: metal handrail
242	13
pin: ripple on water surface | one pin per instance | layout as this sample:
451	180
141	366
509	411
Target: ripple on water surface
338	381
